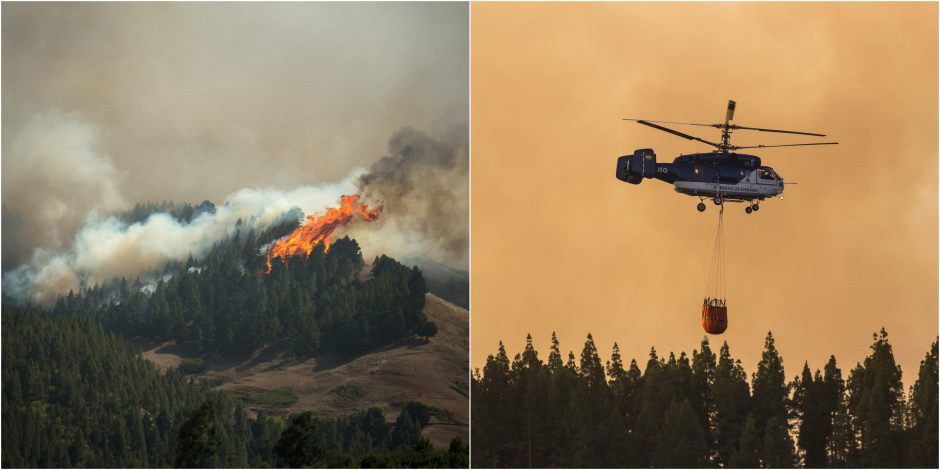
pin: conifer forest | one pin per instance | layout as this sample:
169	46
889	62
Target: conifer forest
701	411
76	393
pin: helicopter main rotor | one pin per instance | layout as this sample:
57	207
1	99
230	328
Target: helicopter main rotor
726	129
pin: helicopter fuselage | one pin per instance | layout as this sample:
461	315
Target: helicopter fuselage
722	174
729	176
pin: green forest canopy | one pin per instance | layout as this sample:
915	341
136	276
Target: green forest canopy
227	305
74	394
77	396
700	411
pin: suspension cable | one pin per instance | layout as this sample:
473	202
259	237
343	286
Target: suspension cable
716	281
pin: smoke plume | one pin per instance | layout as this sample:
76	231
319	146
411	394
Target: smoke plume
106	246
422	184
54	175
66	192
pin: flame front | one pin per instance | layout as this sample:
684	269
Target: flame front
318	229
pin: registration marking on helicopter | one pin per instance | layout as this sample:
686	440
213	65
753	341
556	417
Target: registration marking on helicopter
709	188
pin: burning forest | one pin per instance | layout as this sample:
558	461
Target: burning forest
318	229
418	187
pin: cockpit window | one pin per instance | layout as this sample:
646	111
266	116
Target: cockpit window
765	174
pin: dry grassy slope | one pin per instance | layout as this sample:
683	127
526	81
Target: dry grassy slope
431	373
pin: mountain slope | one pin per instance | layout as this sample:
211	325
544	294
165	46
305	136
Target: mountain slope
434	373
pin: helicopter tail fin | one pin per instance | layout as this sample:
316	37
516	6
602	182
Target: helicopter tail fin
633	168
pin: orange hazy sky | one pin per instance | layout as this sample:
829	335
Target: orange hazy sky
559	244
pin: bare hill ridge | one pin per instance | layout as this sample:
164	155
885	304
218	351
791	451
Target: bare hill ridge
434	373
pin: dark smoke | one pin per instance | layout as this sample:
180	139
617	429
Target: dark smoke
422	184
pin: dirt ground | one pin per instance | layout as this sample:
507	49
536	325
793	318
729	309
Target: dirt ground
158	355
434	373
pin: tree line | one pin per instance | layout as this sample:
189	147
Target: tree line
701	411
228	305
183	212
75	395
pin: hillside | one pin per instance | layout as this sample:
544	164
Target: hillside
434	373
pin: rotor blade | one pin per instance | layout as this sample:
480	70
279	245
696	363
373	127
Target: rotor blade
730	115
680	134
784	145
736	127
674	122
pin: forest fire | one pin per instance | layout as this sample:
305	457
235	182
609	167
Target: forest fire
318	229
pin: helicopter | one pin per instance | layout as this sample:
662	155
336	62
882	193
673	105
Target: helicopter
722	174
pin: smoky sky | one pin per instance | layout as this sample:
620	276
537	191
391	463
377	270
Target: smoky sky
194	101
560	244
110	104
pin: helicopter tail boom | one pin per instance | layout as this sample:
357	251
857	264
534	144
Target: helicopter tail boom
633	168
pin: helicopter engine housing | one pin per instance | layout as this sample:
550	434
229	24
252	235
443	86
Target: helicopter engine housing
633	168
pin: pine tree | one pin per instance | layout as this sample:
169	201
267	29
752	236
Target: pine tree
747	455
562	381
492	395
298	446
648	429
578	431
592	372
874	393
530	357
815	422
732	397
683	441
778	447
198	438
770	394
842	438
923	431
620	418
614	367
531	377
703	372
554	356
598	398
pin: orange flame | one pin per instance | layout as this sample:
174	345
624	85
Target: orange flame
318	229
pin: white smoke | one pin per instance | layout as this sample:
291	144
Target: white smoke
61	192
55	172
106	246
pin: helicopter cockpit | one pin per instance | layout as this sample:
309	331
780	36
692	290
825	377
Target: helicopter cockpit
766	174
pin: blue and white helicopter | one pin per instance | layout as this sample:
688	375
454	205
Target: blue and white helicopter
723	174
